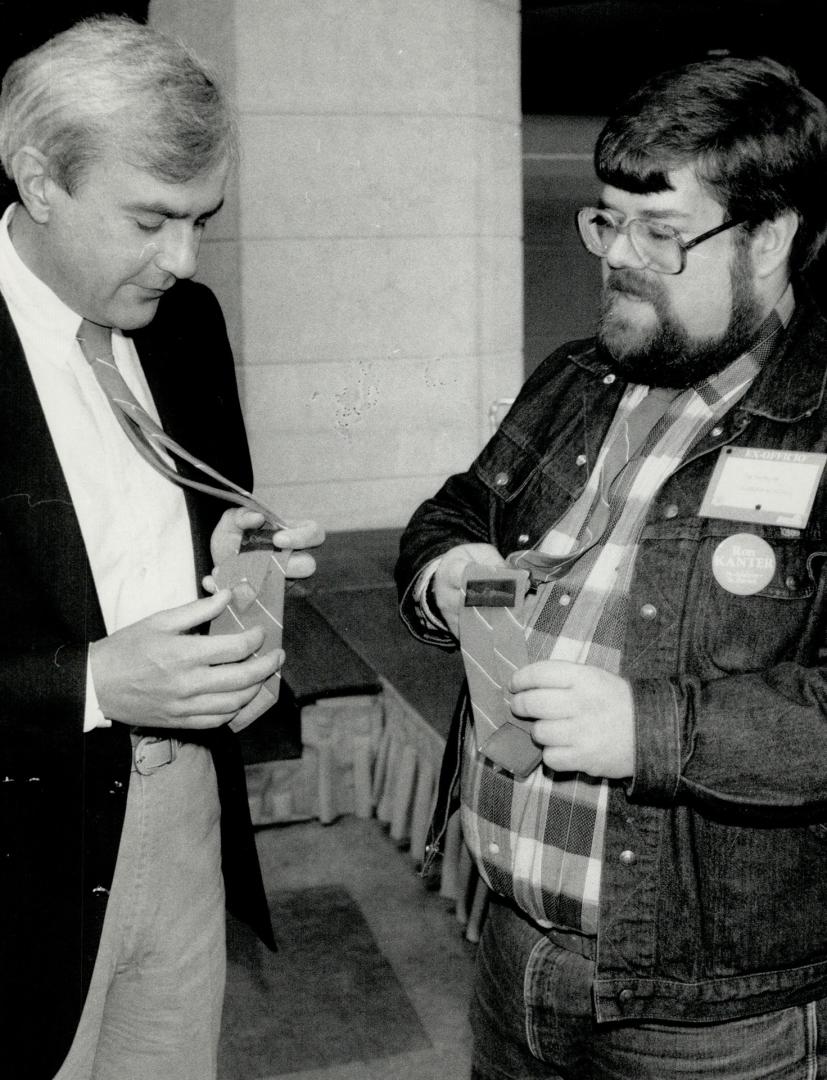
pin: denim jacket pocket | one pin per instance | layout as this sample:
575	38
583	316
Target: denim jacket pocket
505	468
739	633
527	493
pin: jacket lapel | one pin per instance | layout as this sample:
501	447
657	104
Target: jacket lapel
36	510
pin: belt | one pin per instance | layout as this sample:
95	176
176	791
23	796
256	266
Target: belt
152	752
573	942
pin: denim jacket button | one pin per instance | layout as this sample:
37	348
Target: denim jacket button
670	511
717	431
791	583
648	611
626	996
628	858
501	479
609	379
522	538
580	460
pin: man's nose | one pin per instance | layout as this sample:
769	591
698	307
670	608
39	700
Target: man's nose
178	253
621	253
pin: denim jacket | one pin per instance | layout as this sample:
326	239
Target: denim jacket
714	888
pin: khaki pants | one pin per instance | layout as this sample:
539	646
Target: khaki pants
154	1007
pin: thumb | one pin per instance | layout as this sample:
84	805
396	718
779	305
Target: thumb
490	557
186	617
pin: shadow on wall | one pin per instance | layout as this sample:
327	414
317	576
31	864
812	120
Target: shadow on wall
561	280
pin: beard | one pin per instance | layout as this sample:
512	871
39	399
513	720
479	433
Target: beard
667	355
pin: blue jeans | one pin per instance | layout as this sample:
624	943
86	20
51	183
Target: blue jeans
532	1019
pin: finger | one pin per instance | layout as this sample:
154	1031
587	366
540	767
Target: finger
224	679
229	648
300	565
561	734
561	758
542	704
209	585
549	674
448	575
302	534
485	554
212	710
186	617
250	673
248	519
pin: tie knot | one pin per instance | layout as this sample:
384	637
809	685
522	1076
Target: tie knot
95	341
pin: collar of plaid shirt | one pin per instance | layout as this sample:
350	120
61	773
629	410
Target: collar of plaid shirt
539	840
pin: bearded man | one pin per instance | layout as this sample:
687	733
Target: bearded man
634	567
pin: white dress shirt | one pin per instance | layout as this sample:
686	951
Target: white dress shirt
134	522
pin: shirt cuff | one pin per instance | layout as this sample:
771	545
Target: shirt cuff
92	716
420	595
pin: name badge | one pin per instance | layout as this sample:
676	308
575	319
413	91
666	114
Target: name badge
766	487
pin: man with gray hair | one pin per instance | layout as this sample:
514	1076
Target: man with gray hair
123	804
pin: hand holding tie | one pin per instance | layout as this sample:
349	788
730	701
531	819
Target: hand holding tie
229	533
447	580
584	716
253	571
157	673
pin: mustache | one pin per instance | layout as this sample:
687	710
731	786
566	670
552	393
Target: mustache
633	283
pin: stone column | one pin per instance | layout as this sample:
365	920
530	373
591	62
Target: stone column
370	260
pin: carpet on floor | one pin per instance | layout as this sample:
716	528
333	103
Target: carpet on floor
327	997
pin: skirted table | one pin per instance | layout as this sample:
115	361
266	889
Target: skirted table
365	727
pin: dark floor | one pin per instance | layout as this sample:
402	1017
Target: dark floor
416	932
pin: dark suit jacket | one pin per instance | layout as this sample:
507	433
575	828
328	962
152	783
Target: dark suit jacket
63	793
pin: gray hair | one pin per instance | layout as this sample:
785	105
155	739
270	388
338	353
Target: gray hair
108	83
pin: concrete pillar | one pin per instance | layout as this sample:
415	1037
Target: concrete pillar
371	265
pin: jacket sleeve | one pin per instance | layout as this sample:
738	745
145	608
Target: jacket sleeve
457	514
496	499
752	745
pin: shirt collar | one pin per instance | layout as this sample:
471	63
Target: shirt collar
34	306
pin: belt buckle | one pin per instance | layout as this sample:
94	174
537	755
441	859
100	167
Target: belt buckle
152	752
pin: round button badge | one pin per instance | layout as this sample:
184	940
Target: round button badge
743	564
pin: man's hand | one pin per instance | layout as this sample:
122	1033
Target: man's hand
447	578
229	532
155	673
584	715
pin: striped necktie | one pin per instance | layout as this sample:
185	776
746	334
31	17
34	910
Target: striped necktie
544	568
492	630
493	644
256	574
147	436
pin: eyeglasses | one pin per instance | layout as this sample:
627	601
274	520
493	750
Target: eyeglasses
658	246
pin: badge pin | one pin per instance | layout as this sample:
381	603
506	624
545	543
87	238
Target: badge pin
743	564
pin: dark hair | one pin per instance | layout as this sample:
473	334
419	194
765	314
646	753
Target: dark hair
754	136
110	83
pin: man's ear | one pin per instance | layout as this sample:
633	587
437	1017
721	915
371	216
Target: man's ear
30	171
772	242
